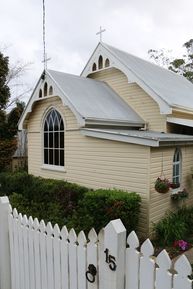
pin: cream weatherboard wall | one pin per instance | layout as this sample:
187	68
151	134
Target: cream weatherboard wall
161	203
135	96
91	162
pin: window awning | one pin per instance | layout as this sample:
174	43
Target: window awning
181	121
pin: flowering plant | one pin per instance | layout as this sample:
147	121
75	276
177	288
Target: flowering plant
174	185
162	185
181	244
180	195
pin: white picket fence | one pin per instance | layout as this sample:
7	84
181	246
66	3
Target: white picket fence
38	256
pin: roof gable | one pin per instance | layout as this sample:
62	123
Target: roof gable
167	88
90	100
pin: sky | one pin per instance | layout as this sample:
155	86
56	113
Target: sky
71	25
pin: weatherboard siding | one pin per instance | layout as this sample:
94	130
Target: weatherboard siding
92	162
161	203
135	96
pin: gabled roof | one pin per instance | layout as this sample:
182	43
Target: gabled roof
91	101
167	88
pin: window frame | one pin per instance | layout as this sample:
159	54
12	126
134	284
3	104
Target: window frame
177	166
46	147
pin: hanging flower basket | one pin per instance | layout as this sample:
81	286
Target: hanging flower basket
162	185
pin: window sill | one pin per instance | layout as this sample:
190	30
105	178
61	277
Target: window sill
53	168
175	191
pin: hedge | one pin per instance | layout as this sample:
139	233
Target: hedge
69	204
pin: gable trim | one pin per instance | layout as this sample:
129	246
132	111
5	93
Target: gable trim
116	62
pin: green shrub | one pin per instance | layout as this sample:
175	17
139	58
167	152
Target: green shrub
70	204
175	226
97	208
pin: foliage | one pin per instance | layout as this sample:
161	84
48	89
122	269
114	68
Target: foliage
8	122
70	204
4	89
182	65
180	195
51	200
175	226
162	185
97	208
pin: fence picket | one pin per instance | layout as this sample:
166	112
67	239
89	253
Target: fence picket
56	255
64	251
37	253
43	260
92	258
82	242
49	253
16	249
101	259
183	268
26	252
31	253
132	262
12	253
115	246
163	276
147	266
73	260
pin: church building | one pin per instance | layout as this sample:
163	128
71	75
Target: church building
122	123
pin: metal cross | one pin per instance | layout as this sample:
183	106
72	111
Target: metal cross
100	33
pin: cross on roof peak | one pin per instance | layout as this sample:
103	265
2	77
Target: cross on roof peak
100	33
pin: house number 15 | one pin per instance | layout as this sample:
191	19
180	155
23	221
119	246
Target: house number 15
110	260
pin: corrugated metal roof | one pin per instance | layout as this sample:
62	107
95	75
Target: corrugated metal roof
150	138
182	121
94	99
176	90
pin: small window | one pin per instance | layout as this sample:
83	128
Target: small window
94	67
100	62
51	90
40	93
177	166
107	63
54	139
45	89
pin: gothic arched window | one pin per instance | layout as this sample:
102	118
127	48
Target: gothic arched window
54	139
100	62
177	166
107	63
45	89
94	67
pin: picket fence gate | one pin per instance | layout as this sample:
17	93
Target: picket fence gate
34	255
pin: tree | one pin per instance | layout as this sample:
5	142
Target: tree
182	65
8	121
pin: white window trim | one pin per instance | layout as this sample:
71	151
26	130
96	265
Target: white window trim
53	168
48	166
177	163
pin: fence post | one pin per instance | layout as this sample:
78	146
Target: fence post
114	255
5	264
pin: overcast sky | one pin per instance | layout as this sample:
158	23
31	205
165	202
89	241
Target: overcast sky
71	25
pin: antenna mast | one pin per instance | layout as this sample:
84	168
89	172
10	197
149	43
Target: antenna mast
45	59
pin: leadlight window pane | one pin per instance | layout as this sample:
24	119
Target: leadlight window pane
51	135
56	157
46	156
62	157
62	139
54	139
45	139
51	160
